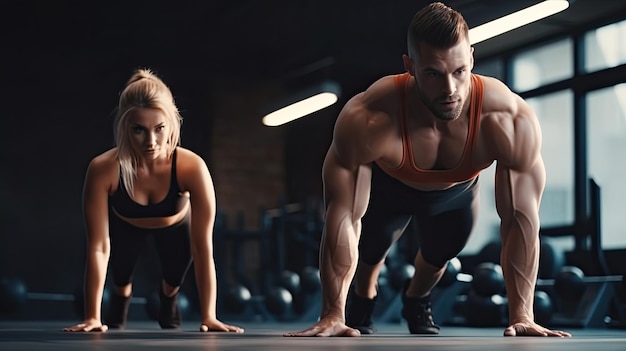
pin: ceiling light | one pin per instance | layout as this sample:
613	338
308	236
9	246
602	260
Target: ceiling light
516	20
327	93
309	100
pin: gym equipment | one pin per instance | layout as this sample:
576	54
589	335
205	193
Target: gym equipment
13	295
243	304
543	309
488	279
453	268
485	311
568	283
571	282
279	301
238	299
311	294
310	279
584	301
290	281
551	259
490	252
400	274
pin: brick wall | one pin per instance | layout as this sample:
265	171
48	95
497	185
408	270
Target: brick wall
248	169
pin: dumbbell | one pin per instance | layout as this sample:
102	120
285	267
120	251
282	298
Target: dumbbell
14	295
310	279
287	294
238	299
400	274
487	279
451	274
277	302
485	304
405	271
570	283
543	309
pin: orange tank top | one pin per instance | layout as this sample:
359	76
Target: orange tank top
464	170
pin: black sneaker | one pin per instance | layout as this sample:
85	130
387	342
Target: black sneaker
169	312
418	314
359	313
118	311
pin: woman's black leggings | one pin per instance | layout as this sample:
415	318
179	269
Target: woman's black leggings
172	245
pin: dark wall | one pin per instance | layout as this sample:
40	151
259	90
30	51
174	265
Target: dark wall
63	66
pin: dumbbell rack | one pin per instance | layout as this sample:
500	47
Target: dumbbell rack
590	311
592	308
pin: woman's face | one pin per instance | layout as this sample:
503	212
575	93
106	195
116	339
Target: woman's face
149	132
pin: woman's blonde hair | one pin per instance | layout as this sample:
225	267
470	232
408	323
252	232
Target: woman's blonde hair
143	90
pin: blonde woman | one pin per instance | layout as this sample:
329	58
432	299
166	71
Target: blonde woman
148	188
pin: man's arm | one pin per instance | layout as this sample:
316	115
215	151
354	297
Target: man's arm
519	184
346	195
347	175
518	194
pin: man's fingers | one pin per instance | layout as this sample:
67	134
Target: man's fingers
308	332
326	332
222	328
351	332
559	333
533	330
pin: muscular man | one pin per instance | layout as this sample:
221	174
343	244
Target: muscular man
412	146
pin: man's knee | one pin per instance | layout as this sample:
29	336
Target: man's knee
436	259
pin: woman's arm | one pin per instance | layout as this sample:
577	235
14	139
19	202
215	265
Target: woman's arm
197	180
95	210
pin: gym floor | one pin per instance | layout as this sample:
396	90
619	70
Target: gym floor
140	335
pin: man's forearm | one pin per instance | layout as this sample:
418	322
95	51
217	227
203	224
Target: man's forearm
338	260
520	263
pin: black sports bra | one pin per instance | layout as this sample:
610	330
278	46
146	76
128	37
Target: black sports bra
173	203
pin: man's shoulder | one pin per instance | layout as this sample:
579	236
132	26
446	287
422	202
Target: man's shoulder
380	97
498	98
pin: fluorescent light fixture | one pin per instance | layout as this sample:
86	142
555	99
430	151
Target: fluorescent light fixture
516	20
312	100
321	98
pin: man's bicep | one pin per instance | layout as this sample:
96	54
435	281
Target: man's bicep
346	185
518	193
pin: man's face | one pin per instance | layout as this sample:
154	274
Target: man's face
442	77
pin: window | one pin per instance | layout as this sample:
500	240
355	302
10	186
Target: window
606	135
605	47
556	116
490	68
543	65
